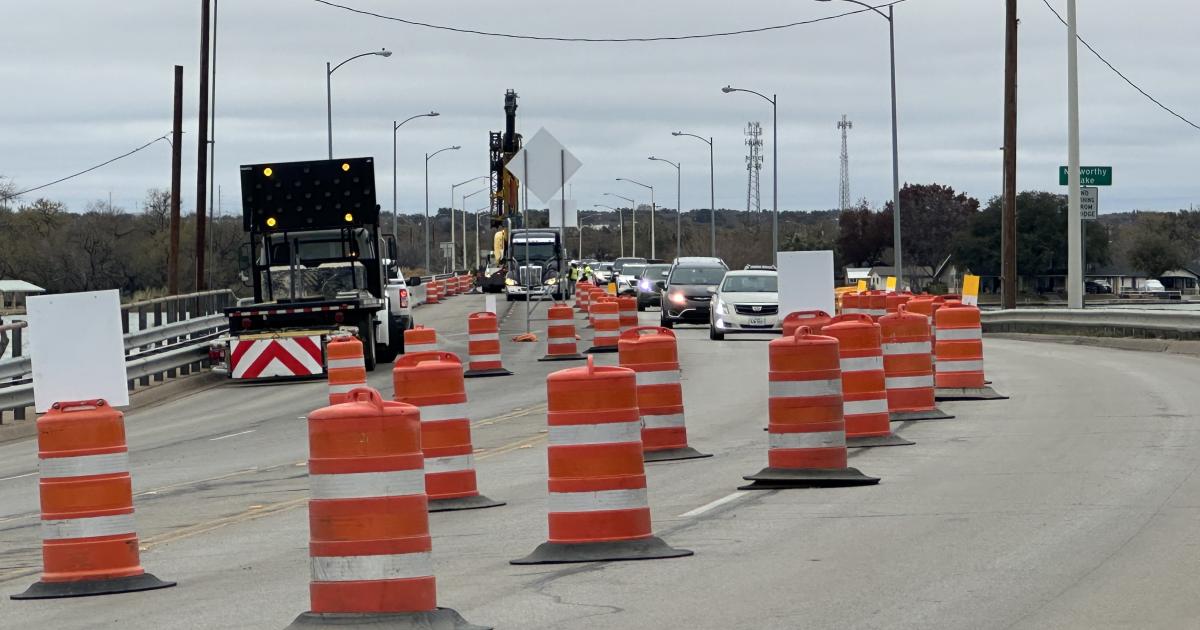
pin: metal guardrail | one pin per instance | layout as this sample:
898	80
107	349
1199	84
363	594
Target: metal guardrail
1096	323
171	338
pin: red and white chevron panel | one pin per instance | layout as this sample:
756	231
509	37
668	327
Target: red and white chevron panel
267	358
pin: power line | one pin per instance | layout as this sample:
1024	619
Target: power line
548	38
1119	73
87	170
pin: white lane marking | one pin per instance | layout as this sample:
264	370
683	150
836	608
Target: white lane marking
222	437
18	476
715	504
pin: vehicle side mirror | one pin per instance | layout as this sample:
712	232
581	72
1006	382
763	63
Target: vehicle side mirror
244	264
662	284
414	281
712	290
393	250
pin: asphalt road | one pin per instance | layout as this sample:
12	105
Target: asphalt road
1072	505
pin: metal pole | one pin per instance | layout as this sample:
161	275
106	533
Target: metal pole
1074	231
395	211
329	107
524	222
427	213
562	225
712	199
202	148
477	259
775	178
176	183
1008	231
453	256
212	126
896	246
678	211
653	207
621	222
464	233
633	226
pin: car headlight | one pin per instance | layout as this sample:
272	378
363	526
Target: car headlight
721	308
645	285
678	298
510	282
552	281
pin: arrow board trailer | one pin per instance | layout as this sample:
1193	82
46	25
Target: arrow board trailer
319	267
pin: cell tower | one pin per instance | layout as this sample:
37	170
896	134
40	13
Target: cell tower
753	165
845	126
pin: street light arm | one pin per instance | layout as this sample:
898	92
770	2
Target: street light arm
470	180
429	115
729	90
863	4
631	201
692	135
658	159
429	156
381	53
625	179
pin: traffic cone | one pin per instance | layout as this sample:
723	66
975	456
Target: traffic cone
369	546
89	543
598	508
433	382
807	433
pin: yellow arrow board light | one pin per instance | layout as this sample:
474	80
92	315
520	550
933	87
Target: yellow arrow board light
312	195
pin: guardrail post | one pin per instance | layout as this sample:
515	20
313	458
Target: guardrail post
158	321
141	319
18	414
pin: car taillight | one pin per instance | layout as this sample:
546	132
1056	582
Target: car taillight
216	354
403	298
339	317
246	323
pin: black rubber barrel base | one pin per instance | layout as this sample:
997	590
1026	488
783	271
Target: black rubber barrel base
781	478
881	440
488	372
601	349
85	588
439	619
913	416
563	357
673	454
650	548
476	502
968	393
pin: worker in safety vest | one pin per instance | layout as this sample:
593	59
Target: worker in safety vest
572	278
587	274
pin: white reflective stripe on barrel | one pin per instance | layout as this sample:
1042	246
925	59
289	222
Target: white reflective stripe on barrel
604	433
83	465
605	334
821	439
960	334
877	312
344	388
909	382
606	316
452	411
658	377
392	483
598	500
361	568
566	335
860	407
485	358
804	389
950	365
450	463
492	336
663	421
862	364
334	364
908	347
113	525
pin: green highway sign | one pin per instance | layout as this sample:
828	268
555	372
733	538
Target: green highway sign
1088	176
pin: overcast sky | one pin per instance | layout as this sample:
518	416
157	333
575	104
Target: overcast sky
85	81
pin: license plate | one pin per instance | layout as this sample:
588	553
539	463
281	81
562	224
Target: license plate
758	321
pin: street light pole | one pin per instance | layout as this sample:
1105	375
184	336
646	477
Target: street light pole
653	207
428	156
678	205
620	223
774	101
712	192
632	227
396	127
464	236
896	245
453	252
329	90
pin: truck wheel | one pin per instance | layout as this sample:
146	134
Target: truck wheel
368	342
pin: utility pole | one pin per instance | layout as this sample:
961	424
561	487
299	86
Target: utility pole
202	149
1008	230
176	167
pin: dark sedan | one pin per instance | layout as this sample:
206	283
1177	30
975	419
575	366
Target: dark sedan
650	283
686	297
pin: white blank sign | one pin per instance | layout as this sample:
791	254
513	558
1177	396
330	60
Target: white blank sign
805	282
77	350
556	213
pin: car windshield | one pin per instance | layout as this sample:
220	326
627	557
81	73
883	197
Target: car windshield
751	284
655	272
619	263
697	275
631	269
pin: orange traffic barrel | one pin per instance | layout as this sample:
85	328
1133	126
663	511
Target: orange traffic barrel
806	432
89	543
814	320
652	353
607	324
852	303
598	506
369	548
864	390
560	335
628	313
433	292
908	366
450	287
483	346
892	301
873	303
433	382
420	339
583	290
595	295
959	350
344	367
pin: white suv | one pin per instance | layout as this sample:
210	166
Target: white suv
745	302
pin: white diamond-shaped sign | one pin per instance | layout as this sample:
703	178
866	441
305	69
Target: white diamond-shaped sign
543	165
